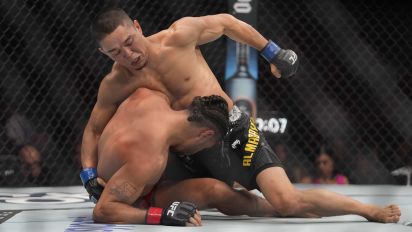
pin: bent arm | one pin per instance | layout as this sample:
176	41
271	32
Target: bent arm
122	190
111	93
201	30
94	128
127	185
102	112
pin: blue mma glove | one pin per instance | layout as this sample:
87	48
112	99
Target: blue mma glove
285	60
89	180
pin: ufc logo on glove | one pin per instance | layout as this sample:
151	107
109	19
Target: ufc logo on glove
172	208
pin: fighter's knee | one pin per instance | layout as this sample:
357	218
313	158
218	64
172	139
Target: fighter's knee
214	191
288	204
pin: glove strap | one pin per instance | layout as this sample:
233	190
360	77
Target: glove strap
88	174
270	51
154	216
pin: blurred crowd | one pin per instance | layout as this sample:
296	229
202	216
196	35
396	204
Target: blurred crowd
335	162
22	159
28	158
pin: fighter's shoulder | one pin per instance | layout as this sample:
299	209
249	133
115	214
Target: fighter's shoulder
118	74
114	86
180	30
184	21
116	78
142	94
152	98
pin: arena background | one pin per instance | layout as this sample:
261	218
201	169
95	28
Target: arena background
353	90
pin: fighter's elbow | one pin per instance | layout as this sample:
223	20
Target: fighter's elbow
91	129
231	24
227	19
101	214
98	215
96	129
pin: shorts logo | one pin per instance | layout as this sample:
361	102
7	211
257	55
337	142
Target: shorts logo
235	143
251	145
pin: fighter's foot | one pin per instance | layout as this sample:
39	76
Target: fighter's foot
388	214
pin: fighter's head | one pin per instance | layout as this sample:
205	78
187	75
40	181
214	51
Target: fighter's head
209	120
120	38
210	111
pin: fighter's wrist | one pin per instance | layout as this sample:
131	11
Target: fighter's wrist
87	174
154	216
270	51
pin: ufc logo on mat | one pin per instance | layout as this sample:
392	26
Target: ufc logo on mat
172	208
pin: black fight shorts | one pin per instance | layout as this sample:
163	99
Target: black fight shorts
242	155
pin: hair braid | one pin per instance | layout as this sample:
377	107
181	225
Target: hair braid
210	110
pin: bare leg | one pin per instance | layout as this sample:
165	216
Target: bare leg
212	193
289	201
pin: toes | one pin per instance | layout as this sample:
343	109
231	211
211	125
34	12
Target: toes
393	219
396	210
396	219
391	206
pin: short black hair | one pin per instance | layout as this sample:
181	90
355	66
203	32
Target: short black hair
211	111
107	21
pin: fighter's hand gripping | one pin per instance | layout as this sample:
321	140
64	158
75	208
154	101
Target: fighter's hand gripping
89	180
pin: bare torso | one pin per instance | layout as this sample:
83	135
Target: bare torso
136	133
180	72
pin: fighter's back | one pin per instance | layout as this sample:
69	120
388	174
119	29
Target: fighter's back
137	131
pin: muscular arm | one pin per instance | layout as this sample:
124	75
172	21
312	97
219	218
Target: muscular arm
122	190
201	30
142	166
101	114
110	95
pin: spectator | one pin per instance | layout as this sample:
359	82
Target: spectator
326	169
32	168
368	169
403	168
294	166
9	169
404	152
27	141
19	129
343	150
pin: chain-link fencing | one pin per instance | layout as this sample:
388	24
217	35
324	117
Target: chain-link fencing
352	91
